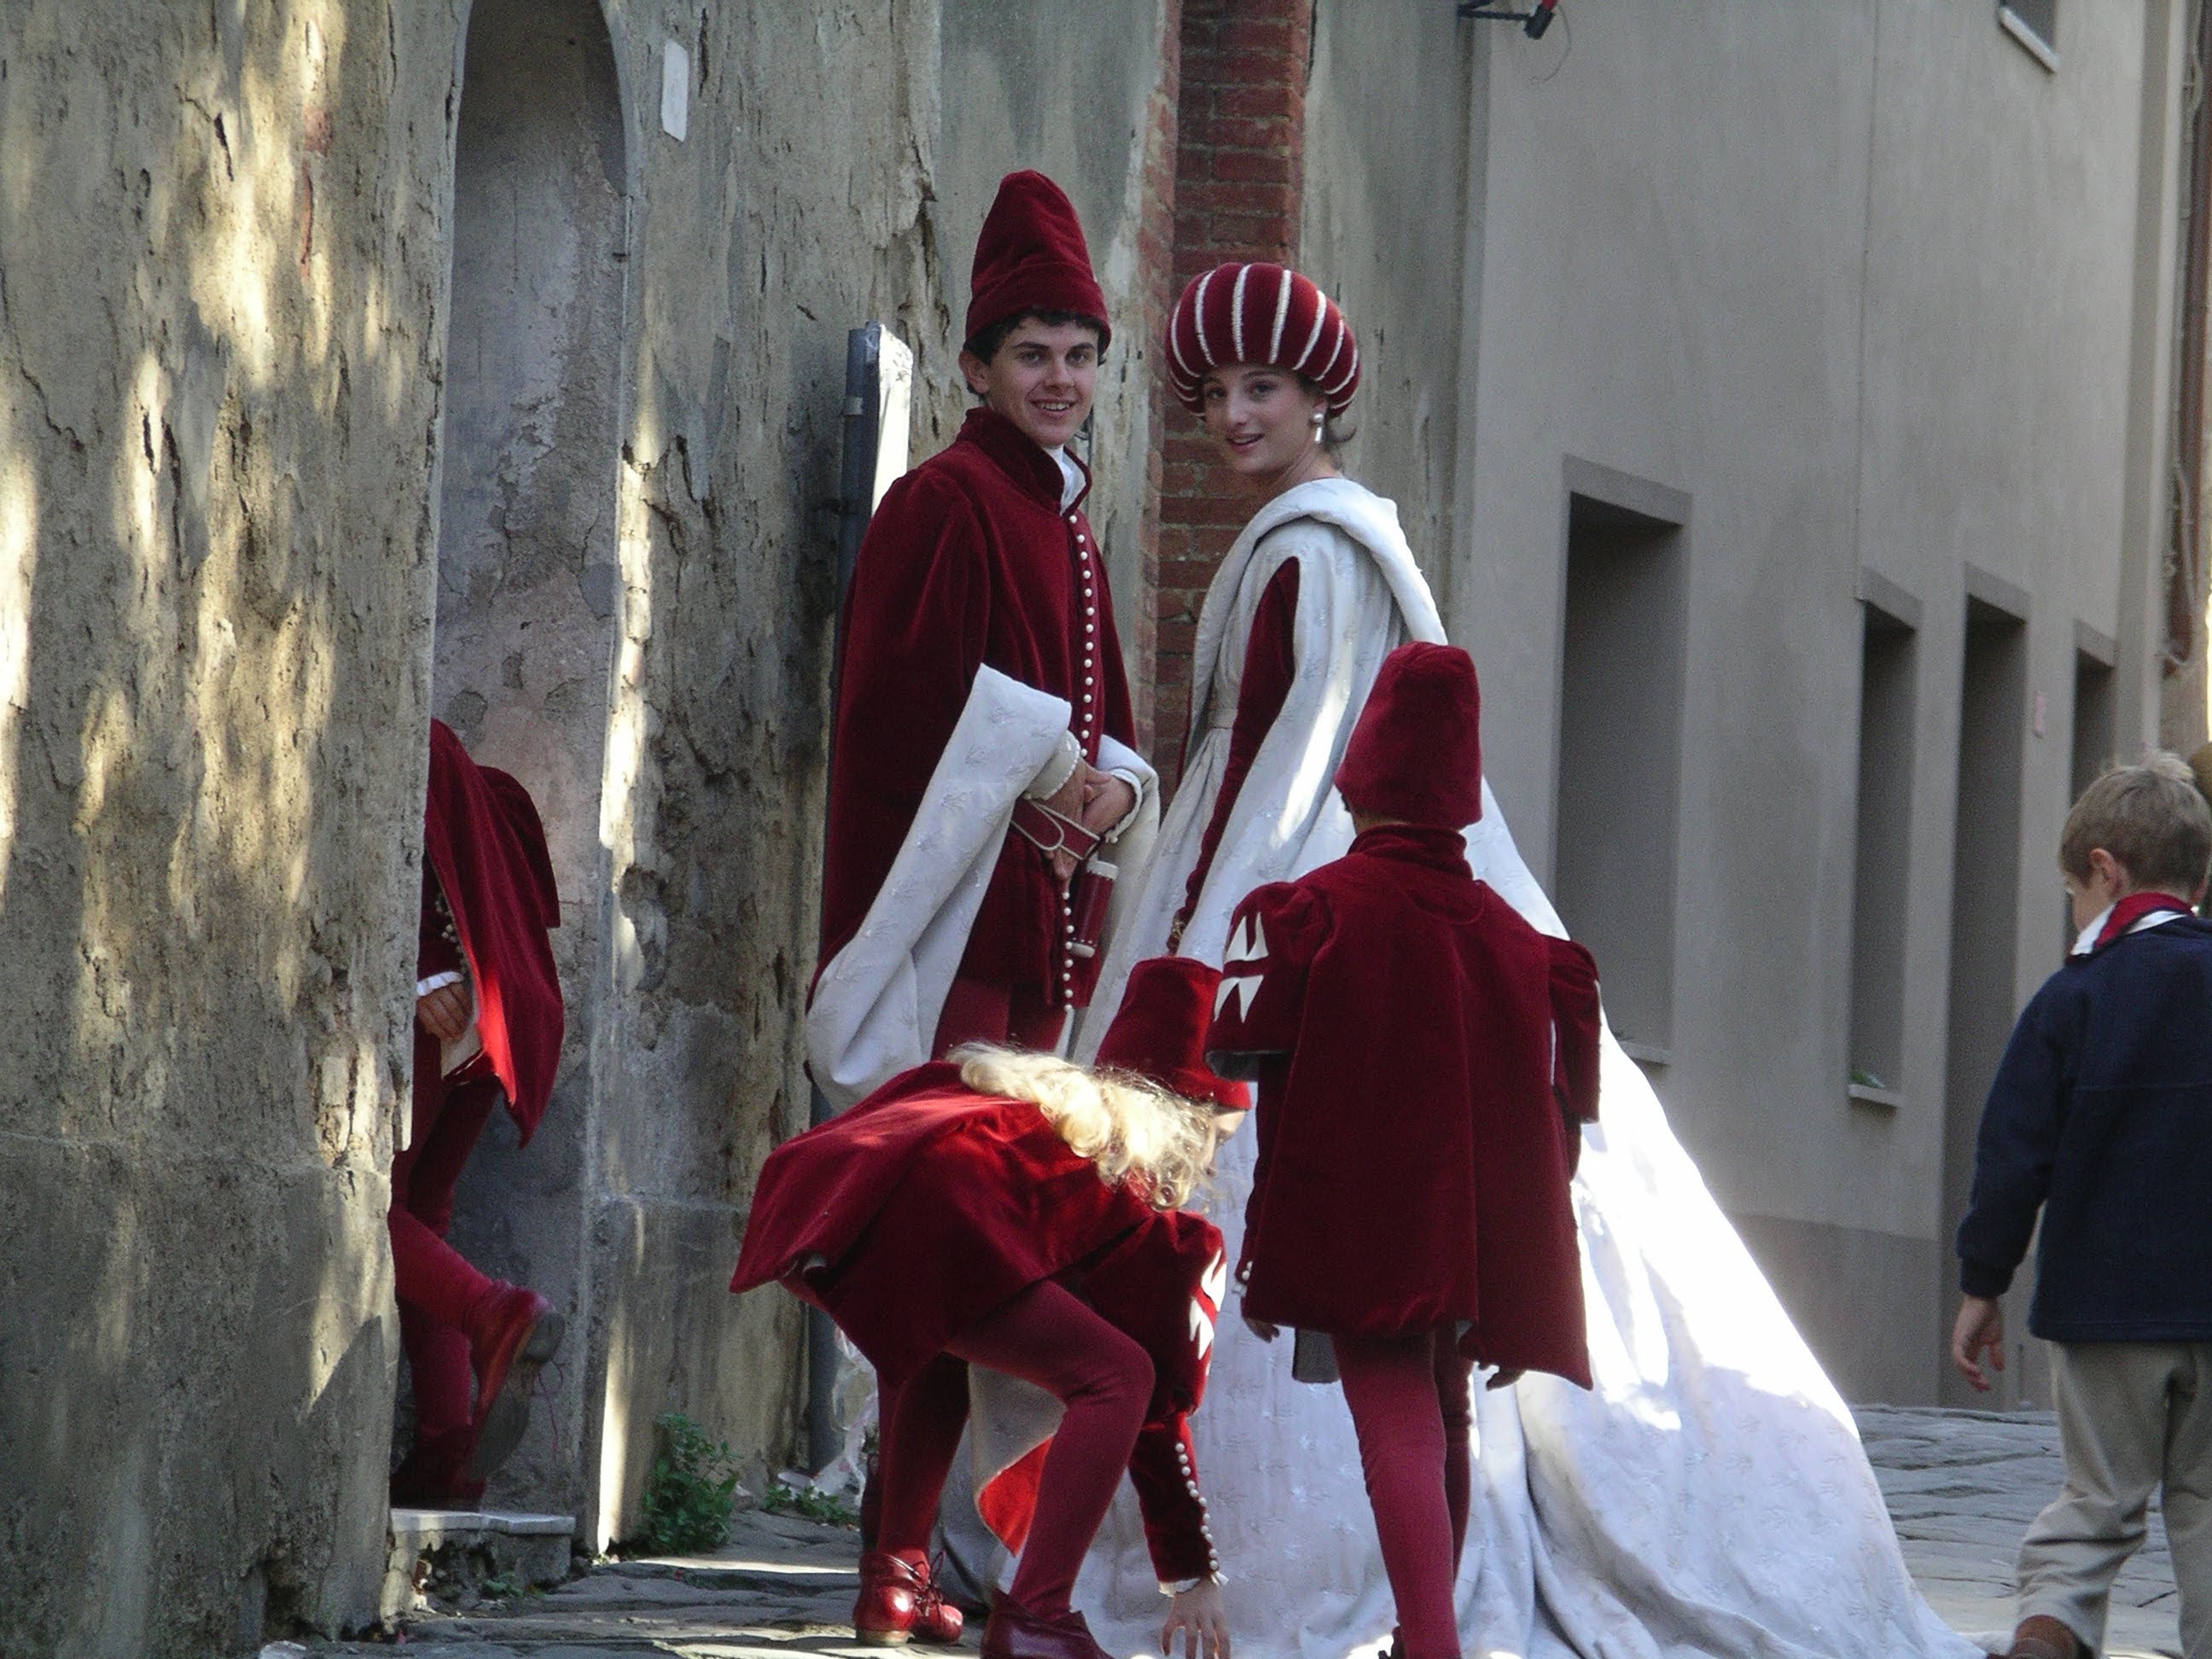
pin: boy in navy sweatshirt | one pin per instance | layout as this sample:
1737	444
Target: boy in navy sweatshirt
2100	1116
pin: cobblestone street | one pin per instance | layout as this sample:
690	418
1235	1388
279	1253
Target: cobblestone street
1961	1487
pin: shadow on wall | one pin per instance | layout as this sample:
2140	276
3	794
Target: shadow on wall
213	497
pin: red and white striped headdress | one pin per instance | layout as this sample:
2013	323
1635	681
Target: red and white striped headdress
1260	313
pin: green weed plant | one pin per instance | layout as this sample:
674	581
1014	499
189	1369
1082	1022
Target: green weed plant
691	1492
809	1506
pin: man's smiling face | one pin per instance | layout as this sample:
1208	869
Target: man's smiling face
1040	378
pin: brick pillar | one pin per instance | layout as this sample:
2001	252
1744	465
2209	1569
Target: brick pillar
1156	257
1240	140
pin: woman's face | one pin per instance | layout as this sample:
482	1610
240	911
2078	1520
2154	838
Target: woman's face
1265	423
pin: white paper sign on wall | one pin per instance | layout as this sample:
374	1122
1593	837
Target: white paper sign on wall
675	90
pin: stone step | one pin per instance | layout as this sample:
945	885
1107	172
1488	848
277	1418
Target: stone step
460	1552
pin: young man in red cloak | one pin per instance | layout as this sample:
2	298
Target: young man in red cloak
983	735
487	1022
983	747
1425	1061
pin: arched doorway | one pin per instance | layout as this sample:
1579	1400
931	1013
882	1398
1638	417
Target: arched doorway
528	586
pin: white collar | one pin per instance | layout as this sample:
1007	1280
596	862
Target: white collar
2086	941
1071	478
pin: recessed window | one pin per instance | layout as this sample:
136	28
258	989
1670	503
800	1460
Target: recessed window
1620	721
1886	696
2034	24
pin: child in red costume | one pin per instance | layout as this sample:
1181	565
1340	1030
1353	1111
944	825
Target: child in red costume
487	1025
1014	1210
1423	1056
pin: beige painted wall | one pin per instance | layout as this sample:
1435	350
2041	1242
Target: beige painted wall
1860	281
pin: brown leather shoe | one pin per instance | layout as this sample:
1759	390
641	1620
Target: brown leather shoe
524	1333
899	1600
1015	1633
2044	1637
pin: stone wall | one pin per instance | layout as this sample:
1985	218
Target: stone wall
221	259
226	245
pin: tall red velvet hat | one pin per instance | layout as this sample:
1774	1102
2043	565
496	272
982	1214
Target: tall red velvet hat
1416	753
1032	257
1159	1031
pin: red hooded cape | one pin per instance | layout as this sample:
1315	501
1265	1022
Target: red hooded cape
482	840
913	1213
1425	1059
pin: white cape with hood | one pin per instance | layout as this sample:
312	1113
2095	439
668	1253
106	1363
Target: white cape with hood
1710	1497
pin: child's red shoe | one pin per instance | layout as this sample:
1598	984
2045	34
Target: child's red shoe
900	1599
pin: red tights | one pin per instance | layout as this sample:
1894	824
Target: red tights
1411	1409
441	1297
927	1414
1104	1379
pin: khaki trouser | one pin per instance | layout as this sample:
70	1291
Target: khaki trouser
2132	1416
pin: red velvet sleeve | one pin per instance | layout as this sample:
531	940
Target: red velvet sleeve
916	622
1577	1018
1270	667
1165	1471
1273	937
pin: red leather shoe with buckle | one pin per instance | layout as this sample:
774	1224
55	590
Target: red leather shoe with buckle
898	1600
525	1333
1015	1633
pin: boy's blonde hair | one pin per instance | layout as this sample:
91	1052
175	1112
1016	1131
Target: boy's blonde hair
1131	1129
2150	817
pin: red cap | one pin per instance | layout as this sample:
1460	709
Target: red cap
1417	752
1159	1030
1032	257
1260	313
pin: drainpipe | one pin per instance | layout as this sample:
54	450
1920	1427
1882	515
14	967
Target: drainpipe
2185	589
877	411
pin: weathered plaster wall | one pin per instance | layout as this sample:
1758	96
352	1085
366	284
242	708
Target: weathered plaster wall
756	243
1069	88
527	582
1390	229
220	262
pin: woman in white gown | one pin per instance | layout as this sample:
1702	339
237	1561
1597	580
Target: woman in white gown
1710	1497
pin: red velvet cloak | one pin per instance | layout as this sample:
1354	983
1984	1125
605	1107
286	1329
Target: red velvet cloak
482	841
911	1215
969	559
1426	1058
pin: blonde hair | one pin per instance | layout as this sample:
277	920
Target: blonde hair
1129	1126
2149	817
